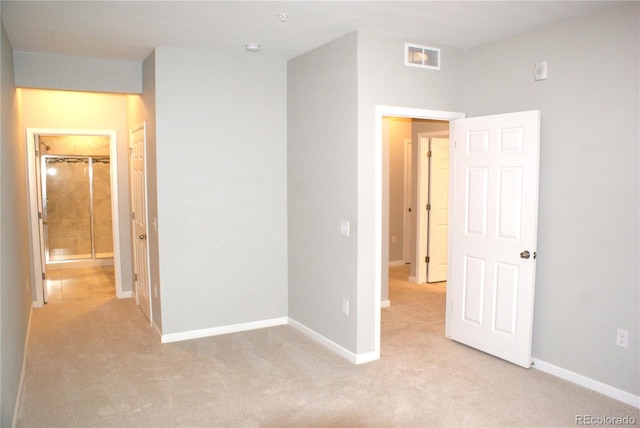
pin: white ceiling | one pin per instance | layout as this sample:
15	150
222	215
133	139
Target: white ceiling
128	30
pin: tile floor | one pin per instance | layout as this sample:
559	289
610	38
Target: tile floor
66	285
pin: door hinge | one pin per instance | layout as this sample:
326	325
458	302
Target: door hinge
39	215
44	276
135	276
133	215
428	207
429	154
427	259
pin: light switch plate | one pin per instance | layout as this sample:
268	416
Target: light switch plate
540	71
344	228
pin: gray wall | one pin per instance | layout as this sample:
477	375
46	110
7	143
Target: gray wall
587	272
321	168
398	130
15	287
35	70
222	187
383	79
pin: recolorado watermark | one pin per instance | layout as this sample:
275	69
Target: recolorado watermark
605	420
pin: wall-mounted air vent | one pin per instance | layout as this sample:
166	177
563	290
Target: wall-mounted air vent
421	56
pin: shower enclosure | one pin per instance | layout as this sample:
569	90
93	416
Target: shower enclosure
76	194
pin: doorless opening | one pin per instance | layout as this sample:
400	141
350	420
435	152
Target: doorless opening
382	208
79	245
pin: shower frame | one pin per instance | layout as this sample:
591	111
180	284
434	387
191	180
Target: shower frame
90	160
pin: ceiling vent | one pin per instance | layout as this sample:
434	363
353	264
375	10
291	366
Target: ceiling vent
421	56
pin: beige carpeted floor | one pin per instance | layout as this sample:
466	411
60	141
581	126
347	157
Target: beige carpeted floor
96	362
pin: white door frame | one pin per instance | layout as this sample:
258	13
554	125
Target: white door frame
380	211
34	221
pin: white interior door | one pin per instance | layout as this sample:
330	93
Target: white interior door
438	228
139	220
493	233
408	196
42	215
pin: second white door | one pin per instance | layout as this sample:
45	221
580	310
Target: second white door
139	220
438	210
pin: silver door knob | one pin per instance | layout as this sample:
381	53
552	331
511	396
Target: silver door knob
525	254
142	236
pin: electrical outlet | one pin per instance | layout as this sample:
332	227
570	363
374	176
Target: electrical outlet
622	338
345	306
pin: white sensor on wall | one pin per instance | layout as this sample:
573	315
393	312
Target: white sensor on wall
421	56
540	71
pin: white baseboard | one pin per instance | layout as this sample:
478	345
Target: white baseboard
397	263
156	328
23	373
226	329
332	346
125	295
385	303
592	384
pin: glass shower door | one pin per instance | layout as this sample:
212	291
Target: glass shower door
66	204
102	229
77	208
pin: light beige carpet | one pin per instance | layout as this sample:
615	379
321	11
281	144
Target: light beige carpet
97	363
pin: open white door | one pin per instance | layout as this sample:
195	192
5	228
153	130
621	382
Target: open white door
408	195
139	219
438	210
42	216
493	233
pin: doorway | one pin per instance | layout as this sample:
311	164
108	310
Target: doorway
417	188
381	220
73	202
76	201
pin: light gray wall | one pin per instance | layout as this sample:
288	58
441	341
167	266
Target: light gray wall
321	167
587	272
35	70
15	287
399	130
142	108
383	79
222	187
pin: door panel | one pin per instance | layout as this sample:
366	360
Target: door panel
490	287
408	194
139	221
439	212
42	223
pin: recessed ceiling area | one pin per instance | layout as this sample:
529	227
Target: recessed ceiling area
129	30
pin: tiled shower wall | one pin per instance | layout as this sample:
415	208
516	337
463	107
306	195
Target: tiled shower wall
68	201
